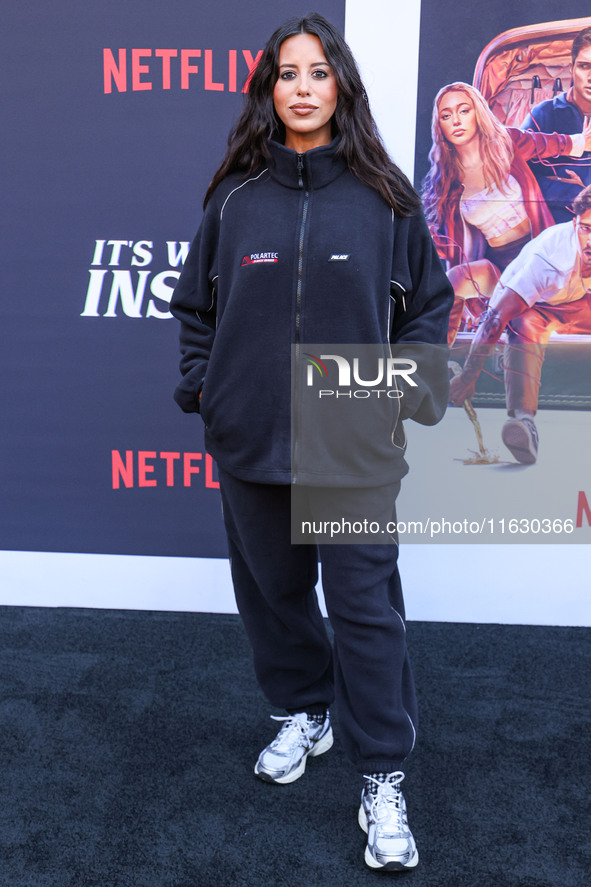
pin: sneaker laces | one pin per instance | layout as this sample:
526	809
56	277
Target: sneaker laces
295	731
387	808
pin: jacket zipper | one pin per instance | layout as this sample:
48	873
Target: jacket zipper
298	310
301	248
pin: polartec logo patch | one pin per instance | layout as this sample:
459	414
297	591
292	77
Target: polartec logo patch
259	258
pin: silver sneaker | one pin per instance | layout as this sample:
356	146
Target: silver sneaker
520	436
382	815
284	760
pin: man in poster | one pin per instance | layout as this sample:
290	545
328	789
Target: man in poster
562	179
545	289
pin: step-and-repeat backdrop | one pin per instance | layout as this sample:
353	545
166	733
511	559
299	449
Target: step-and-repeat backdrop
115	118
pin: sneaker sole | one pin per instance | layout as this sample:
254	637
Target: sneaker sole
392	866
319	748
518	442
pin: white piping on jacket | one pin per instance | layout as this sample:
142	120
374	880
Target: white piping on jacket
238	189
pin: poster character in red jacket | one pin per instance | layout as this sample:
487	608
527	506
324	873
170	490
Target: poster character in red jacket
481	199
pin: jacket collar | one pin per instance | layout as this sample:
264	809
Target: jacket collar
320	166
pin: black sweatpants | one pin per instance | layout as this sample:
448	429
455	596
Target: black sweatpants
369	669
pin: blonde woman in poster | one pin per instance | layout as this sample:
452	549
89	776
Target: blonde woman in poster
481	199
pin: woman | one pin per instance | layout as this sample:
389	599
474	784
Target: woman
307	223
480	196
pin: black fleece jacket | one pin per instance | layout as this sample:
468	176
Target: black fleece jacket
301	253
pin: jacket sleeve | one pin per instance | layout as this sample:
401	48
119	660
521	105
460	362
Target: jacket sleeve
423	297
533	121
537	145
194	304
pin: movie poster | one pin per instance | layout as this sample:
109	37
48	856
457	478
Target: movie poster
503	161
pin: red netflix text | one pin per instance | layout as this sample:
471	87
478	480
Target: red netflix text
144	69
148	468
583	509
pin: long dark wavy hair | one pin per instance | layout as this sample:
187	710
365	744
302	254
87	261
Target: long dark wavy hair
360	143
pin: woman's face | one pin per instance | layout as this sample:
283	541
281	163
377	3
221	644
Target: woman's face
457	118
305	94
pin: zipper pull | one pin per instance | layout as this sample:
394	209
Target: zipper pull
301	170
